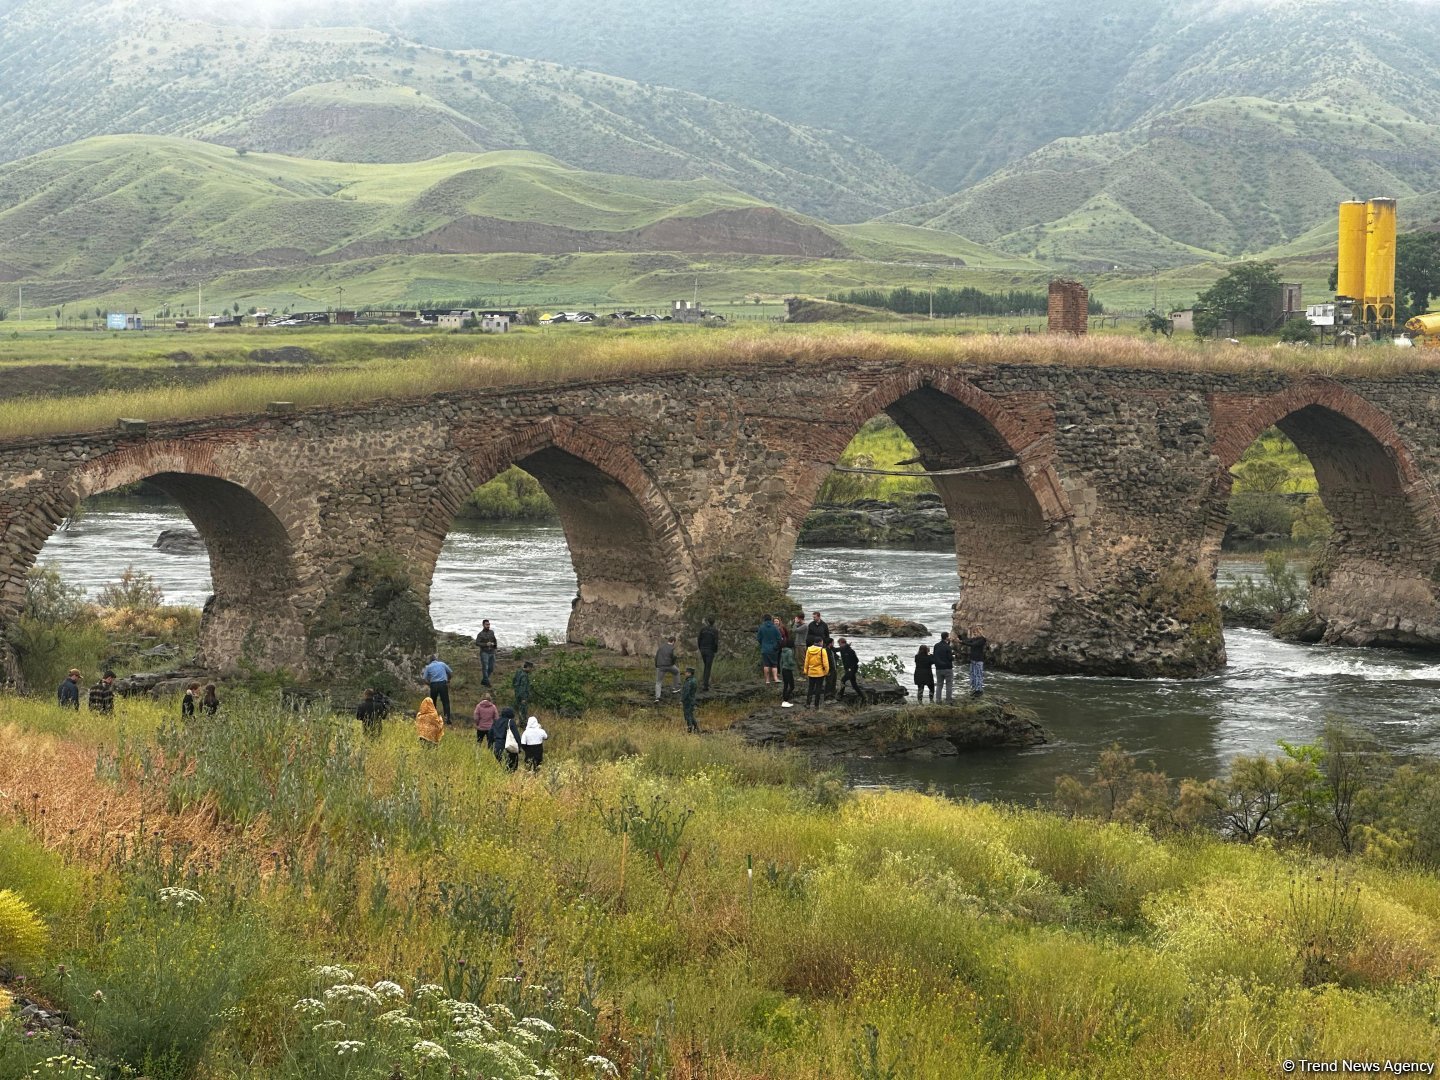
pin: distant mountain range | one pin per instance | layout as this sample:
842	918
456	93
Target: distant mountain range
1119	133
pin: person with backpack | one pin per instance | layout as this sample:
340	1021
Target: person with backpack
817	666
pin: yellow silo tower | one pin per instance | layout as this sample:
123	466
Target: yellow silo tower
1379	306
1351	279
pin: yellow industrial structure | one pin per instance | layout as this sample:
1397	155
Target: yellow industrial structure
1380	264
1351	279
1425	329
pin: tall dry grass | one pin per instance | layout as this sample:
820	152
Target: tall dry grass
524	360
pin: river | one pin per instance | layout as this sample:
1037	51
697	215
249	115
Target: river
519	576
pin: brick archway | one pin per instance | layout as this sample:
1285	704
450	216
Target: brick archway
252	555
1015	552
1374	584
630	551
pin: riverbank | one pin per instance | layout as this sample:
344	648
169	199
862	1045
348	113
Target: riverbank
677	906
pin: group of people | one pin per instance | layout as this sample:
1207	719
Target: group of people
101	697
935	670
828	664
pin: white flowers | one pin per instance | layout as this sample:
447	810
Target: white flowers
328	1028
398	1019
346	1047
330	975
535	1024
308	1007
429	990
352	994
603	1066
430	1053
179	900
389	990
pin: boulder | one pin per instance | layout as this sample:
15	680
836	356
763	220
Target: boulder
180	542
886	626
927	731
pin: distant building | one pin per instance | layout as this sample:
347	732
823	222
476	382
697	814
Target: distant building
119	320
454	320
495	324
491	322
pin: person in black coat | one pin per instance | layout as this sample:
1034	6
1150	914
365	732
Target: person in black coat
924	675
707	644
849	666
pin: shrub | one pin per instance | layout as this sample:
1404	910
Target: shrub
737	596
569	683
1262	603
22	934
1298	330
49	599
135	589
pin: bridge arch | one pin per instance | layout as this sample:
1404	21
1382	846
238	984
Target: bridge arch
1015	552
1374	582
630	551
252	613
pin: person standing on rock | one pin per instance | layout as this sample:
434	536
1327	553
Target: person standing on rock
437	675
69	692
521	685
665	665
768	637
924	675
976	644
486	640
102	694
817	631
833	675
787	676
688	691
945	668
707	644
850	664
817	666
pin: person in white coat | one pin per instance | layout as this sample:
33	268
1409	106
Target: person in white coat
532	742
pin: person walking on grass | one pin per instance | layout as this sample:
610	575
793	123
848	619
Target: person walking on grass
850	664
511	745
188	702
768	638
488	645
688	690
504	726
69	693
485	716
817	666
209	701
437	676
665	665
428	724
521	685
532	742
924	675
975	642
945	668
102	694
787	677
707	644
370	713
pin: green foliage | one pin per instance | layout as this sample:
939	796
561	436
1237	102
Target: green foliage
1298	330
49	600
1265	602
966	300
1155	322
1245	294
22	933
882	668
737	596
1417	273
879	444
135	590
570	682
514	495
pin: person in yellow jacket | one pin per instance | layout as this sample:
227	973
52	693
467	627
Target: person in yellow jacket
429	724
816	667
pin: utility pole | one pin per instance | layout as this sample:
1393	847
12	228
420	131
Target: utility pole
22	303
199	301
342	298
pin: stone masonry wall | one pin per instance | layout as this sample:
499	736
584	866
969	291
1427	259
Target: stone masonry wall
1093	552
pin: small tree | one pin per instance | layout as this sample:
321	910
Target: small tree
1245	293
1152	322
1298	330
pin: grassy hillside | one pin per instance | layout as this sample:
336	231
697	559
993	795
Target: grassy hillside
1221	179
139	220
141	67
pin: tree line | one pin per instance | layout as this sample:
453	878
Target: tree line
946	301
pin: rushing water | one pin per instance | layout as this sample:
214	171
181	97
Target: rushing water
521	579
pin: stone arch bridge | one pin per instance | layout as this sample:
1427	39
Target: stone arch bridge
1095	552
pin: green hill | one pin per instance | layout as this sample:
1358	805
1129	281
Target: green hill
1219	180
75	70
149	215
